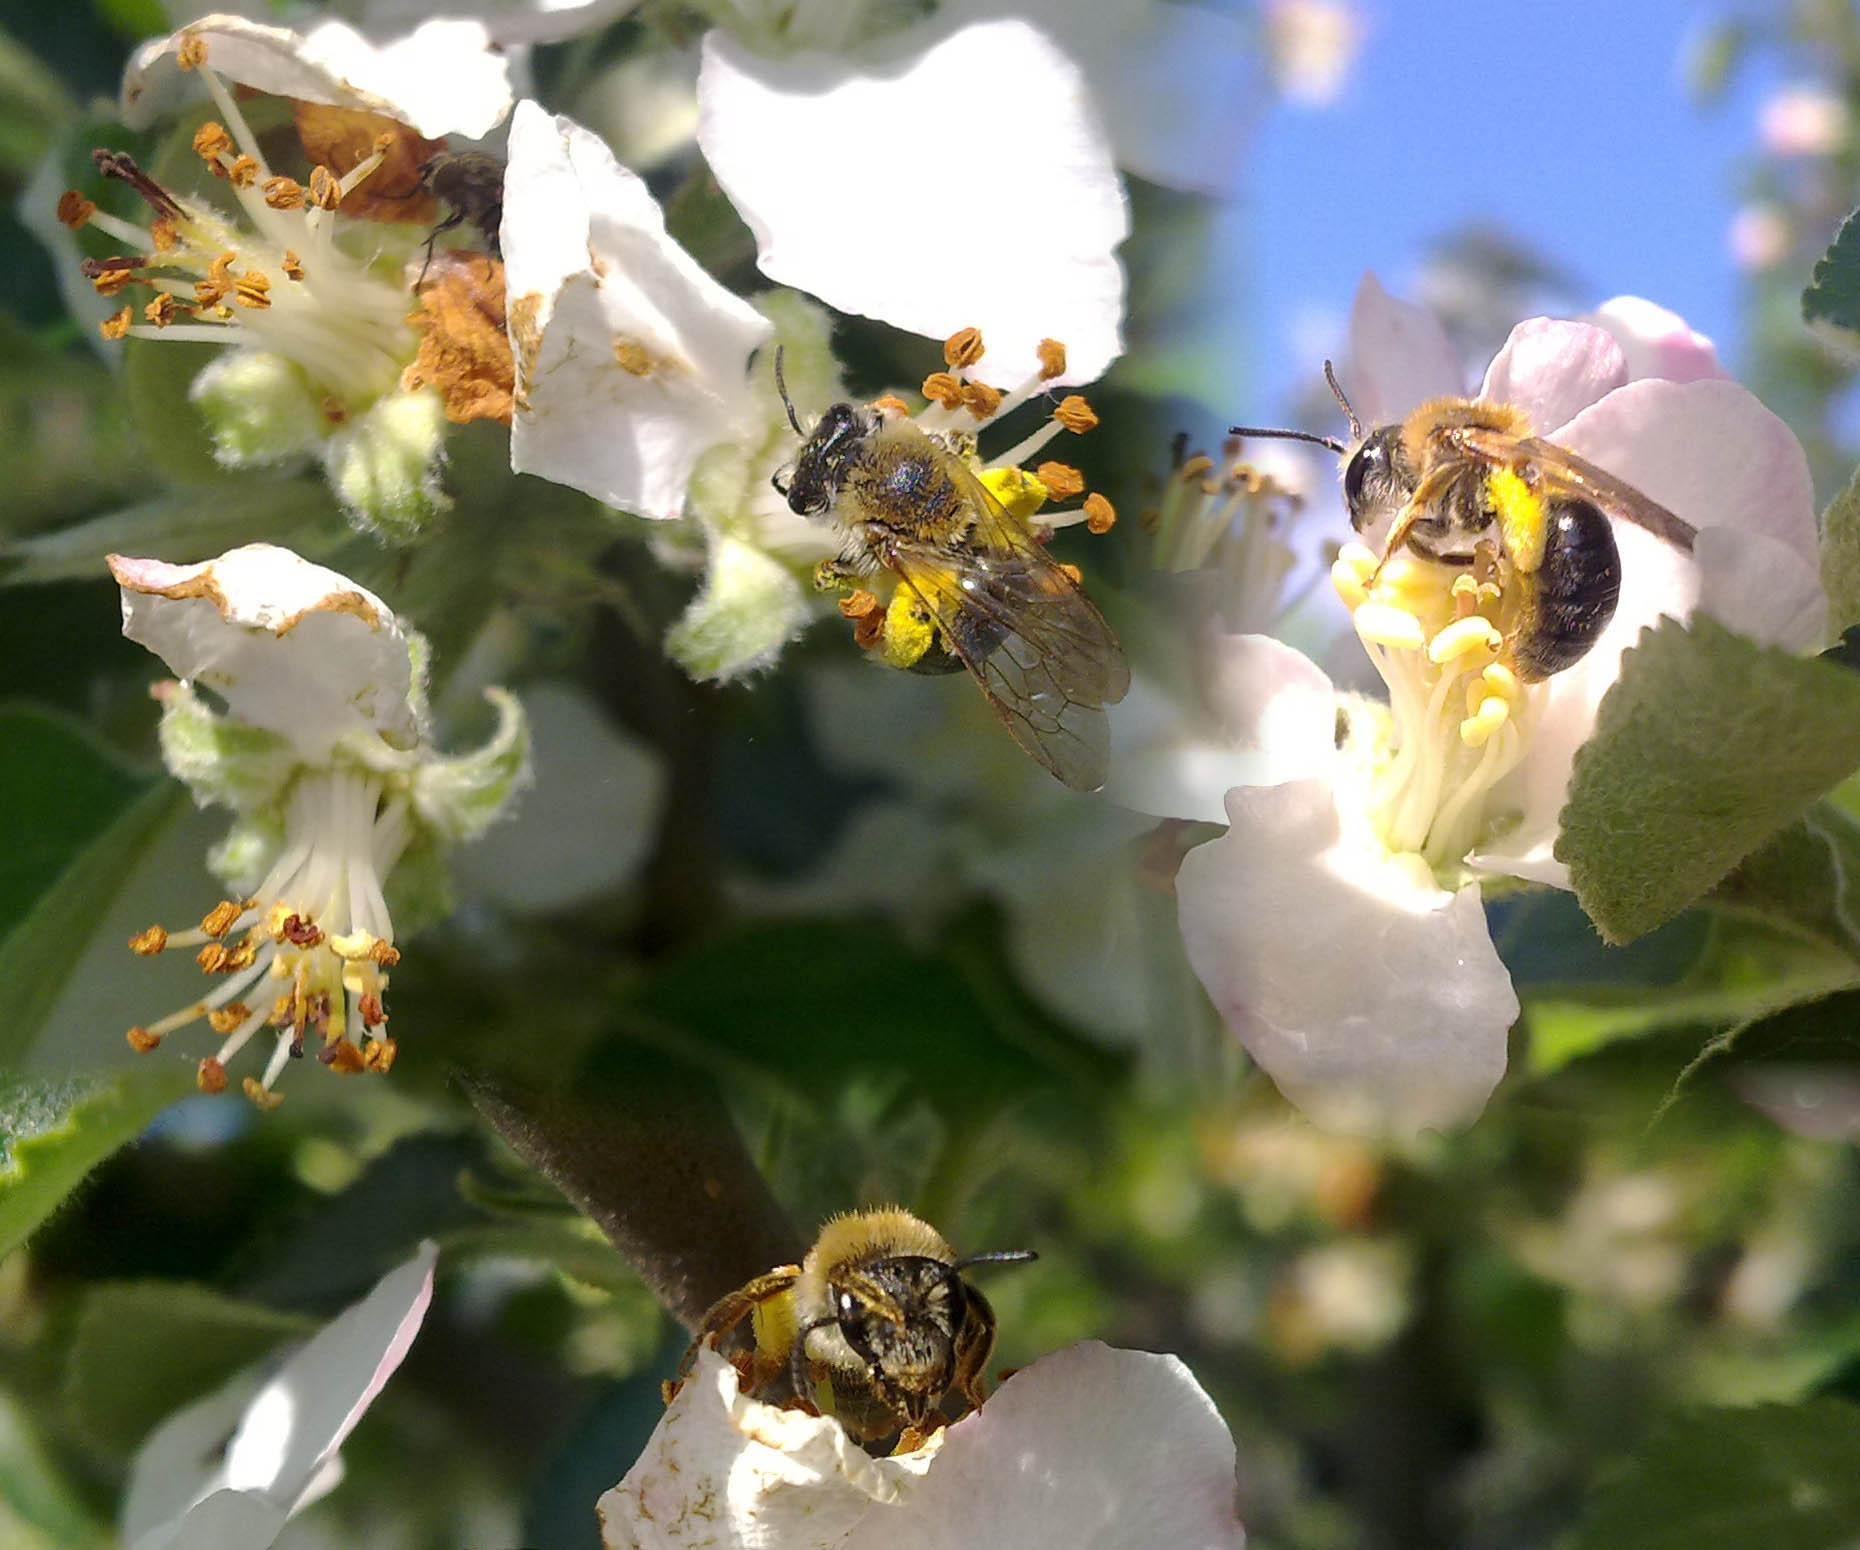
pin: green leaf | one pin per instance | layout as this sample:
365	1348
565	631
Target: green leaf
39	953
40	1508
1786	1477
143	1349
1840	557
1833	295
1708	746
182	526
59	788
1804	879
1824	1031
54	1133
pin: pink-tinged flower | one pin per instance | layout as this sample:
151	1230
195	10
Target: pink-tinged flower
1312	46
1803	121
317	741
228	1472
1089	1447
1014	231
1338	925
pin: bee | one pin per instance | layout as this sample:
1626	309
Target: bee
1467	483
471	185
976	579
879	1315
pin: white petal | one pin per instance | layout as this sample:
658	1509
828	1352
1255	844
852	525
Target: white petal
722	1472
1270	717
1821	1102
1761	587
506	21
1166	77
1399	357
442	78
631	360
1552	369
1372	997
299	1418
1658	343
1090	1449
226	1520
288	645
842	179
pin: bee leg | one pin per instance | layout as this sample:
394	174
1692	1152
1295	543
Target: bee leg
829	574
1425	495
456	218
918	1433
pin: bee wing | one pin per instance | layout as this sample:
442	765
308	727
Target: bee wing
1566	471
1038	647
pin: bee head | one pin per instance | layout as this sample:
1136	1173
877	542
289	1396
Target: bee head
1376	479
814	478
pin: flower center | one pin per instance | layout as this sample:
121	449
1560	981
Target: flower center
281	283
318	924
1460	716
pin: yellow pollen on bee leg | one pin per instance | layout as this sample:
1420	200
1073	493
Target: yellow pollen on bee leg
1463	636
1020	492
1100	514
1075	414
1052	359
962	349
909	631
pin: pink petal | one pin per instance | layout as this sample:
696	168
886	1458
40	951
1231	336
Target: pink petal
1656	342
1553	369
1373	998
1400	356
1706	450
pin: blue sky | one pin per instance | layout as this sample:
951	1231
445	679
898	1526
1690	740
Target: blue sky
1566	122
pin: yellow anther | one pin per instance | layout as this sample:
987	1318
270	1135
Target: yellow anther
344	1058
1493	712
292	265
1383	624
147	943
142	1041
1501	680
1463	636
1052	359
244	171
962	349
941	388
379	1055
161	311
263	1099
210	1076
353	946
283	193
192	53
211	142
1062	481
325	188
980	399
1075	414
116	326
219	920
74	209
224	1019
1100	514
110	282
167	239
253	289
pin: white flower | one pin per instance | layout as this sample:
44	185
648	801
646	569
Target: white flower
1338	925
191	1488
1092	1448
321	753
311	304
1312	45
442	78
1017	237
631	360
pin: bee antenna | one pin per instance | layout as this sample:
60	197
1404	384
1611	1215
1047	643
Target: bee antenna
781	387
1322	441
994	1257
1336	392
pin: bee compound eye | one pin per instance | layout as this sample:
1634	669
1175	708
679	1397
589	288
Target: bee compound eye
848	1307
1368	478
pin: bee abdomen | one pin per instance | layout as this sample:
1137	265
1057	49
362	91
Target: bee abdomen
1577	587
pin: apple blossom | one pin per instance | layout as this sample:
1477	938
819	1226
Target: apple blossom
1022	246
1090	1447
273	1447
631	360
321	753
322	359
1338	925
